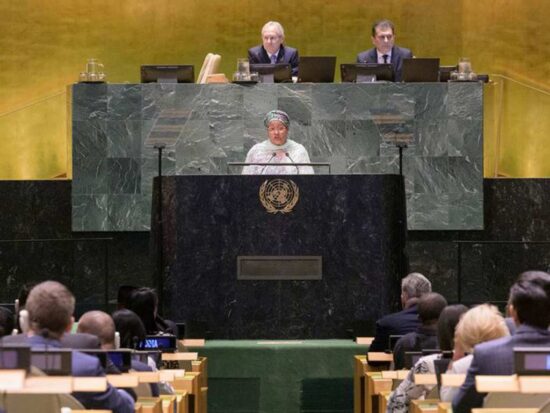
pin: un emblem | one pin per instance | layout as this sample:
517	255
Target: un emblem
279	195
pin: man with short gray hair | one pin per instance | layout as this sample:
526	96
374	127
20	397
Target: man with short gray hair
272	49
413	286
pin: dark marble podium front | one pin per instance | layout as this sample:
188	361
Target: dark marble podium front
355	222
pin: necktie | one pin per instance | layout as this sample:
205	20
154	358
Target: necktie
273	58
385	57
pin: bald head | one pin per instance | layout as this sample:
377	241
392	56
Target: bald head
99	324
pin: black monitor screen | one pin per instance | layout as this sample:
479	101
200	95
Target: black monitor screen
356	71
392	341
55	363
15	357
411	357
121	359
279	71
532	361
167	73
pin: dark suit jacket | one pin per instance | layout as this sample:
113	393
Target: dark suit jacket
85	365
397	56
286	55
425	338
496	357
400	323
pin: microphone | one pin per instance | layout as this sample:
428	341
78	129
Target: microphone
292	160
265	166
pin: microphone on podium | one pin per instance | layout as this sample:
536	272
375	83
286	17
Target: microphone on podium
265	166
294	163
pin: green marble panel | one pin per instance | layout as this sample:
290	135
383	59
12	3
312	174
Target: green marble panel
351	126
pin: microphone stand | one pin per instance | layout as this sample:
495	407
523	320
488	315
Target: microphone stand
401	146
160	234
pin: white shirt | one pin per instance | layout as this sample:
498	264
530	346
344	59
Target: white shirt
289	153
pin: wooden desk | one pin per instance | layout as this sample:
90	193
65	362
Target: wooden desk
374	385
424	406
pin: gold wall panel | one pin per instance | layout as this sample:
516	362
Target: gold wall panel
45	44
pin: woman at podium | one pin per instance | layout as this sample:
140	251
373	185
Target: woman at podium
278	155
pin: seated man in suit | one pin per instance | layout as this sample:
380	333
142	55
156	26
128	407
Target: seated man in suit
272	49
413	286
51	306
530	309
430	307
384	50
102	326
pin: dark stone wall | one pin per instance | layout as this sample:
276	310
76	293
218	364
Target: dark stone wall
515	210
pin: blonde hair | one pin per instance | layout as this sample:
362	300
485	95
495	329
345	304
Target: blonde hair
480	324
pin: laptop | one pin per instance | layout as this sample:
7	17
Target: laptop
366	72
421	70
272	73
318	69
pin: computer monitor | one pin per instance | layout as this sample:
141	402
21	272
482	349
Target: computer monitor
121	358
421	70
53	362
392	340
164	343
15	357
366	72
318	69
411	357
269	73
167	73
532	361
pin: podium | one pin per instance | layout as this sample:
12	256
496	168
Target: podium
354	226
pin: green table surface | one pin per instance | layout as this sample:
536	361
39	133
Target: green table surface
280	375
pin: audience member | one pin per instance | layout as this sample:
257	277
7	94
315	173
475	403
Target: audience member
102	325
413	286
384	50
129	327
407	390
6	322
480	324
144	303
51	306
425	337
123	296
272	49
22	316
530	309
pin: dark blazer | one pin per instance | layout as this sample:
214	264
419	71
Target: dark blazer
496	357
400	323
286	55
85	365
425	338
397	56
